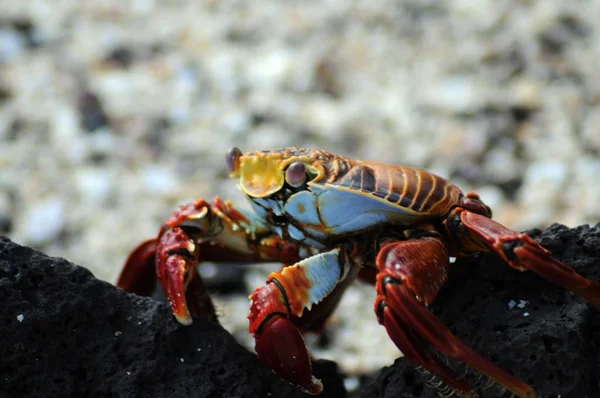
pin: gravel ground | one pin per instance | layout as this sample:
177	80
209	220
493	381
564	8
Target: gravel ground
112	113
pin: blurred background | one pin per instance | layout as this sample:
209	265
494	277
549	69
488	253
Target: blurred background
114	112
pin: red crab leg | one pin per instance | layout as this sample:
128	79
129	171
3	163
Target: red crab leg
410	275
277	305
138	274
523	253
198	231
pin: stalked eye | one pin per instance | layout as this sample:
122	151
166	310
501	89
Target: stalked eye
232	158
295	174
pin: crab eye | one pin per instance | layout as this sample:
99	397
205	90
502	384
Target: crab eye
295	174
232	158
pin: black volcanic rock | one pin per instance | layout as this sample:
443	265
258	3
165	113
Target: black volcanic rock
552	343
66	334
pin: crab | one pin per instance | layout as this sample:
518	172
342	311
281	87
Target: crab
332	220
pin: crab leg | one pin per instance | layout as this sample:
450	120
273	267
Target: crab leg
277	306
523	253
138	274
198	231
410	275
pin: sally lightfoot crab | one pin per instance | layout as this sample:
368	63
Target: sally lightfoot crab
332	220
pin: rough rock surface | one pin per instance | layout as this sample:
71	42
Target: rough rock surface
551	339
66	334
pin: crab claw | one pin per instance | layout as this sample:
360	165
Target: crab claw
281	346
175	266
175	290
171	258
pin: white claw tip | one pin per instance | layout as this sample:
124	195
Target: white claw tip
317	386
184	320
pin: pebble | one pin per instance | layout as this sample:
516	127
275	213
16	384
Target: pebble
267	69
94	184
454	94
351	383
44	220
12	44
500	163
92	115
158	179
545	180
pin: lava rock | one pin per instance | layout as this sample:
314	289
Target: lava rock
66	334
542	333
